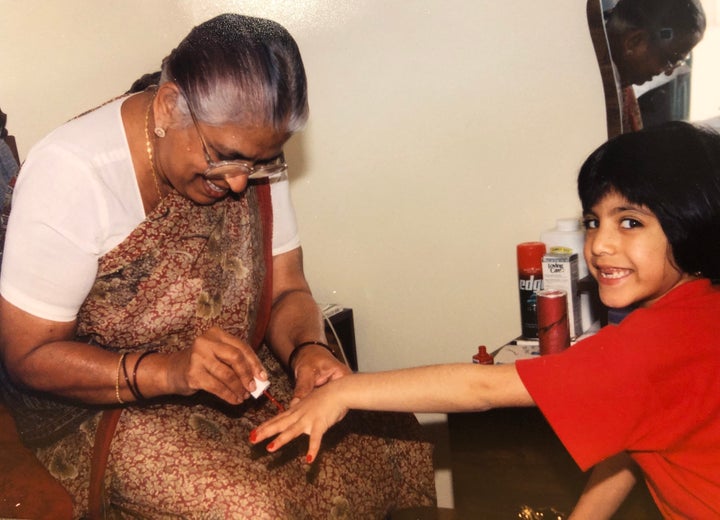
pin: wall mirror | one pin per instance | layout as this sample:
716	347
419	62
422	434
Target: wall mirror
661	71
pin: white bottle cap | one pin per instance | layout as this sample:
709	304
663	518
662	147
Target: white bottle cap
260	387
568	224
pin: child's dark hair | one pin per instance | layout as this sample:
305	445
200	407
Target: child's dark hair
673	170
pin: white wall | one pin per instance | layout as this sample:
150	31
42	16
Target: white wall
442	134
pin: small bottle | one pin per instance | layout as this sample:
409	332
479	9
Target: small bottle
530	281
482	357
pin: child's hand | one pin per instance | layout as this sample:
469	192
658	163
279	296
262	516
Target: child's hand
312	415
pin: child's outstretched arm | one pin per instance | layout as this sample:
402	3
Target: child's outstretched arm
438	388
610	483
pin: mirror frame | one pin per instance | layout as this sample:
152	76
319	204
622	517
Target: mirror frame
613	103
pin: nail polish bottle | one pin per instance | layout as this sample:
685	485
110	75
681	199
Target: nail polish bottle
482	357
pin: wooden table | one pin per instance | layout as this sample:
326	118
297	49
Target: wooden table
505	459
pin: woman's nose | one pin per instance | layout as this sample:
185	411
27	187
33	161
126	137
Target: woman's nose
237	184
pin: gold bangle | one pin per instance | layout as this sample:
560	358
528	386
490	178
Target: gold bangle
117	379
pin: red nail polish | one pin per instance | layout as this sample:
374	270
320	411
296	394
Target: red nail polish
253	436
271	446
309	459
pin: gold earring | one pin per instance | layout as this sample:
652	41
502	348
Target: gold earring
160	132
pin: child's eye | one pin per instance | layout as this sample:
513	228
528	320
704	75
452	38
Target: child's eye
590	223
629	223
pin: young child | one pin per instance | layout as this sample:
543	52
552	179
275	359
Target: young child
646	390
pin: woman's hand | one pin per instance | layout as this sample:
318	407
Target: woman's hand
314	366
218	363
295	319
312	416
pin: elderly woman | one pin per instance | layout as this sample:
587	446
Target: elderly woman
151	248
648	38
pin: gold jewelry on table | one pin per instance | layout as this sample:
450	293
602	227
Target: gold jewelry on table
148	146
117	378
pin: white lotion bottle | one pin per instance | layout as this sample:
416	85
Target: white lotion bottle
569	237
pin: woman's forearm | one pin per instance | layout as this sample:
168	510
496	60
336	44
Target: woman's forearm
77	371
295	318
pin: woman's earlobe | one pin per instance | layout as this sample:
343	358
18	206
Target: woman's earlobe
636	42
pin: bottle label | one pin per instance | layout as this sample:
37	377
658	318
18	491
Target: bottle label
531	284
529	287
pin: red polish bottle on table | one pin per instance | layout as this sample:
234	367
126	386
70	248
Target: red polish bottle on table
482	357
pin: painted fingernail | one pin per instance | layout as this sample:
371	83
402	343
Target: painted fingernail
253	436
271	446
309	459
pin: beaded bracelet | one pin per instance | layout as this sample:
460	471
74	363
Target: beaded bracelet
301	346
134	384
121	362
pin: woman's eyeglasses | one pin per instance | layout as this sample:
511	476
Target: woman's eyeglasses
221	170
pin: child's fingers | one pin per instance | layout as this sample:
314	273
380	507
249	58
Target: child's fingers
269	428
313	447
285	428
282	439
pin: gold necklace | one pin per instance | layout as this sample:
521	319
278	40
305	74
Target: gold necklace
149	148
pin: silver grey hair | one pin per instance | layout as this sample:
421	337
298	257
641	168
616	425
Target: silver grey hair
240	70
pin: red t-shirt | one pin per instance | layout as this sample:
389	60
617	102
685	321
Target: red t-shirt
649	386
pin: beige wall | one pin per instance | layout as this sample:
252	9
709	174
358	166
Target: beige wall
442	134
705	84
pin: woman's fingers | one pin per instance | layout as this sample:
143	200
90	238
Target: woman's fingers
312	372
220	364
236	353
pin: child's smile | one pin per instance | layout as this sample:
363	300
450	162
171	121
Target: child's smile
628	253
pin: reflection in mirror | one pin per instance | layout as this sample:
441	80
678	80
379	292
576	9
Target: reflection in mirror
602	52
648	46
